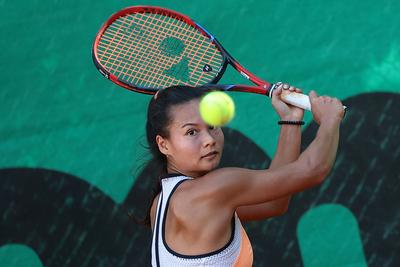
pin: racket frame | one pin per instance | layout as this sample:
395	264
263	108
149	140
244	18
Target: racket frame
263	87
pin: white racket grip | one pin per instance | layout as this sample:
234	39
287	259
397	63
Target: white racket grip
296	99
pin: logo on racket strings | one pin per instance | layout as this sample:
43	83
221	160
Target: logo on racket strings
172	48
207	68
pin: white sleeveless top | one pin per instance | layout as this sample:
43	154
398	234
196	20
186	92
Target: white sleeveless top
237	252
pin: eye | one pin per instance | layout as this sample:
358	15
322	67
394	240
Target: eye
191	132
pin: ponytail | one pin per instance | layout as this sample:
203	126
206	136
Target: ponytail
158	120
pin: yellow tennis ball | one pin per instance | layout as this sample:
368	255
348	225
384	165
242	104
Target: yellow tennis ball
217	108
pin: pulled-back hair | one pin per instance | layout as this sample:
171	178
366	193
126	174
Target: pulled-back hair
159	118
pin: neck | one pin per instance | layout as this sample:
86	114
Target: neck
172	169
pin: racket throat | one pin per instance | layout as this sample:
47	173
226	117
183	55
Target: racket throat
245	75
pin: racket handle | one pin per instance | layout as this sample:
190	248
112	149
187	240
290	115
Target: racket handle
297	99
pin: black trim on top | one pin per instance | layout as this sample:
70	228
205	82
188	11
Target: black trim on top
169	175
191	256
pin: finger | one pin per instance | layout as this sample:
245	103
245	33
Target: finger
313	95
286	86
324	99
278	84
292	88
337	101
277	91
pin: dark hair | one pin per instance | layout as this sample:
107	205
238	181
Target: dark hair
158	119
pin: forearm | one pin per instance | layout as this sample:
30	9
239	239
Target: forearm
321	153
288	149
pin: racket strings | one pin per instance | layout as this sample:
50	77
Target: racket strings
127	48
174	20
165	61
114	49
177	34
153	50
143	50
140	59
149	55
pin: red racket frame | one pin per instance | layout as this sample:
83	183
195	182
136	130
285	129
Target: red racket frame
263	87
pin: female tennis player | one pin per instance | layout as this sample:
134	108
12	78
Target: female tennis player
196	215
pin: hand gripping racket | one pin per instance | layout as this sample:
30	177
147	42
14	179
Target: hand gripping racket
145	49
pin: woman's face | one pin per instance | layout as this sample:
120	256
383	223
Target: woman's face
193	148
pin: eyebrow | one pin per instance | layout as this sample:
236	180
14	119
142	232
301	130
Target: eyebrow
189	124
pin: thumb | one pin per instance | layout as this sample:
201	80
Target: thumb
277	92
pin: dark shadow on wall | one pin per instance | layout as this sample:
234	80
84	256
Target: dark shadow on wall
365	179
68	222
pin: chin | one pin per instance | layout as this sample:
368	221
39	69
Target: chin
213	166
206	167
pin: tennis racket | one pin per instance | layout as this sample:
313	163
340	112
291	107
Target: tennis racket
145	49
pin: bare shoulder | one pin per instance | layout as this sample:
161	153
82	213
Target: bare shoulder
214	183
192	226
199	219
205	192
229	188
191	202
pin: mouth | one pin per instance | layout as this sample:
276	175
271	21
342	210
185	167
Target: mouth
210	155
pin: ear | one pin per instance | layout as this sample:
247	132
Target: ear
162	144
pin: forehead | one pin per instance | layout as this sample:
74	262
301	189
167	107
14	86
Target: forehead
185	113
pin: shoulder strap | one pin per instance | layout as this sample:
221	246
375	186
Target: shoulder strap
169	191
158	231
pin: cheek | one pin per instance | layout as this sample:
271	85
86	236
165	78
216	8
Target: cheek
184	146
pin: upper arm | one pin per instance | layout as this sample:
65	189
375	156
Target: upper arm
235	187
264	210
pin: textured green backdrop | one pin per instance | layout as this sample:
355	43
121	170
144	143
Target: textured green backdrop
58	112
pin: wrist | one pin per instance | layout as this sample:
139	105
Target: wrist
334	121
291	118
291	122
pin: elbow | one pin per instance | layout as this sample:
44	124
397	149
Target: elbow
283	210
319	171
322	172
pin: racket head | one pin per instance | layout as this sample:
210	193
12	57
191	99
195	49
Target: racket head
145	49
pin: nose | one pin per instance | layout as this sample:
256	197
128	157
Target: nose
208	139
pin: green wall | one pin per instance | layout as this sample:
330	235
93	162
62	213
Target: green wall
57	112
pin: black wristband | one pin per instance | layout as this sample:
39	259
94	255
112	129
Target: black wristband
291	122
